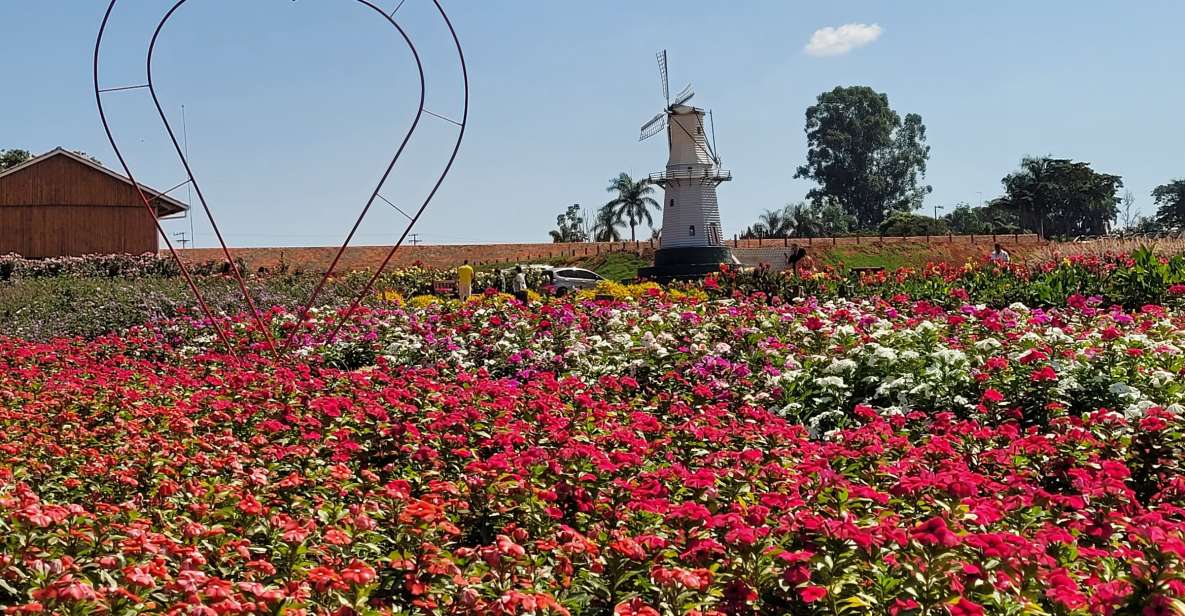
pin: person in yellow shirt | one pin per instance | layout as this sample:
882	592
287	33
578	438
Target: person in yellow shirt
464	281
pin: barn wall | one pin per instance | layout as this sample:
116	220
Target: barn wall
61	207
67	230
62	181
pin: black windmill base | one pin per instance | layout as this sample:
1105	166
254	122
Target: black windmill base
687	263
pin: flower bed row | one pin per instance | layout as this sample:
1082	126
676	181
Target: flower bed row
664	454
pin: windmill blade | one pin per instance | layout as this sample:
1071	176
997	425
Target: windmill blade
662	74
656	118
683	96
715	152
653	127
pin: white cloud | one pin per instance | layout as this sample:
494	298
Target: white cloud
832	41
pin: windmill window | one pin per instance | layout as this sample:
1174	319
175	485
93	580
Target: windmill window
672	203
691	231
699	130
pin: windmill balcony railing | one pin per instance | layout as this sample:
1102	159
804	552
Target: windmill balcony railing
711	174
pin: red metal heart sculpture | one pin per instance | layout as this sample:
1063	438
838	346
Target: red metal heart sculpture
265	328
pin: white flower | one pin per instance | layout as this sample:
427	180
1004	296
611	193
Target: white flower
988	344
840	366
830	382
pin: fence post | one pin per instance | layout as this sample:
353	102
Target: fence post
835	242
972	238
857	239
950	238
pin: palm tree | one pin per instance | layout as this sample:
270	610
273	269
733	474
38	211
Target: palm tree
633	201
773	224
776	223
605	226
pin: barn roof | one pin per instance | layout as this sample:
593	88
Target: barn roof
166	205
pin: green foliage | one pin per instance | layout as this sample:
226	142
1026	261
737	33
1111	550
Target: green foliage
771	224
1132	281
605	227
817	219
1061	198
617	266
966	220
864	156
570	226
633	202
908	224
12	158
1170	204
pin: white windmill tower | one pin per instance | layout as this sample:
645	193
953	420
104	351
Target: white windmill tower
692	241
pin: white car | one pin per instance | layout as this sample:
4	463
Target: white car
566	279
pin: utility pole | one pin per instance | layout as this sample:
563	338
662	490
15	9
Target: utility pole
181	239
936	208
415	239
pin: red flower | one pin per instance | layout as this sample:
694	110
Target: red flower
935	532
992	395
635	607
812	593
1045	374
964	607
358	573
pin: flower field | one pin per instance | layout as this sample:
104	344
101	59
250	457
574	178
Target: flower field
693	451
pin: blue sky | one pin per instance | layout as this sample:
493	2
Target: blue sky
293	108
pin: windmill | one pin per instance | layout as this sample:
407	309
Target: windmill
691	243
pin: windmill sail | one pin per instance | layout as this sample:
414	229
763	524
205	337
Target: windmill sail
683	96
654	126
662	74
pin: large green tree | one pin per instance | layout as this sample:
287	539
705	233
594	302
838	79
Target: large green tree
12	158
1170	204
1061	197
864	156
633	202
983	220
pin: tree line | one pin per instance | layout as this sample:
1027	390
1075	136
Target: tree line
630	207
868	164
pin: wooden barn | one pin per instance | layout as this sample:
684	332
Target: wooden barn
62	204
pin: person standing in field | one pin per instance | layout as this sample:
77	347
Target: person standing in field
464	281
795	256
520	284
496	282
1000	256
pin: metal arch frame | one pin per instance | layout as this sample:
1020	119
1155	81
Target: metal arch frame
265	329
436	187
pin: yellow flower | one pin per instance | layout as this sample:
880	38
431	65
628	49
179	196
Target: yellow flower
423	301
390	296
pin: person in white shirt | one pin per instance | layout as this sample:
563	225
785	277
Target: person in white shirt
1000	256
520	284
